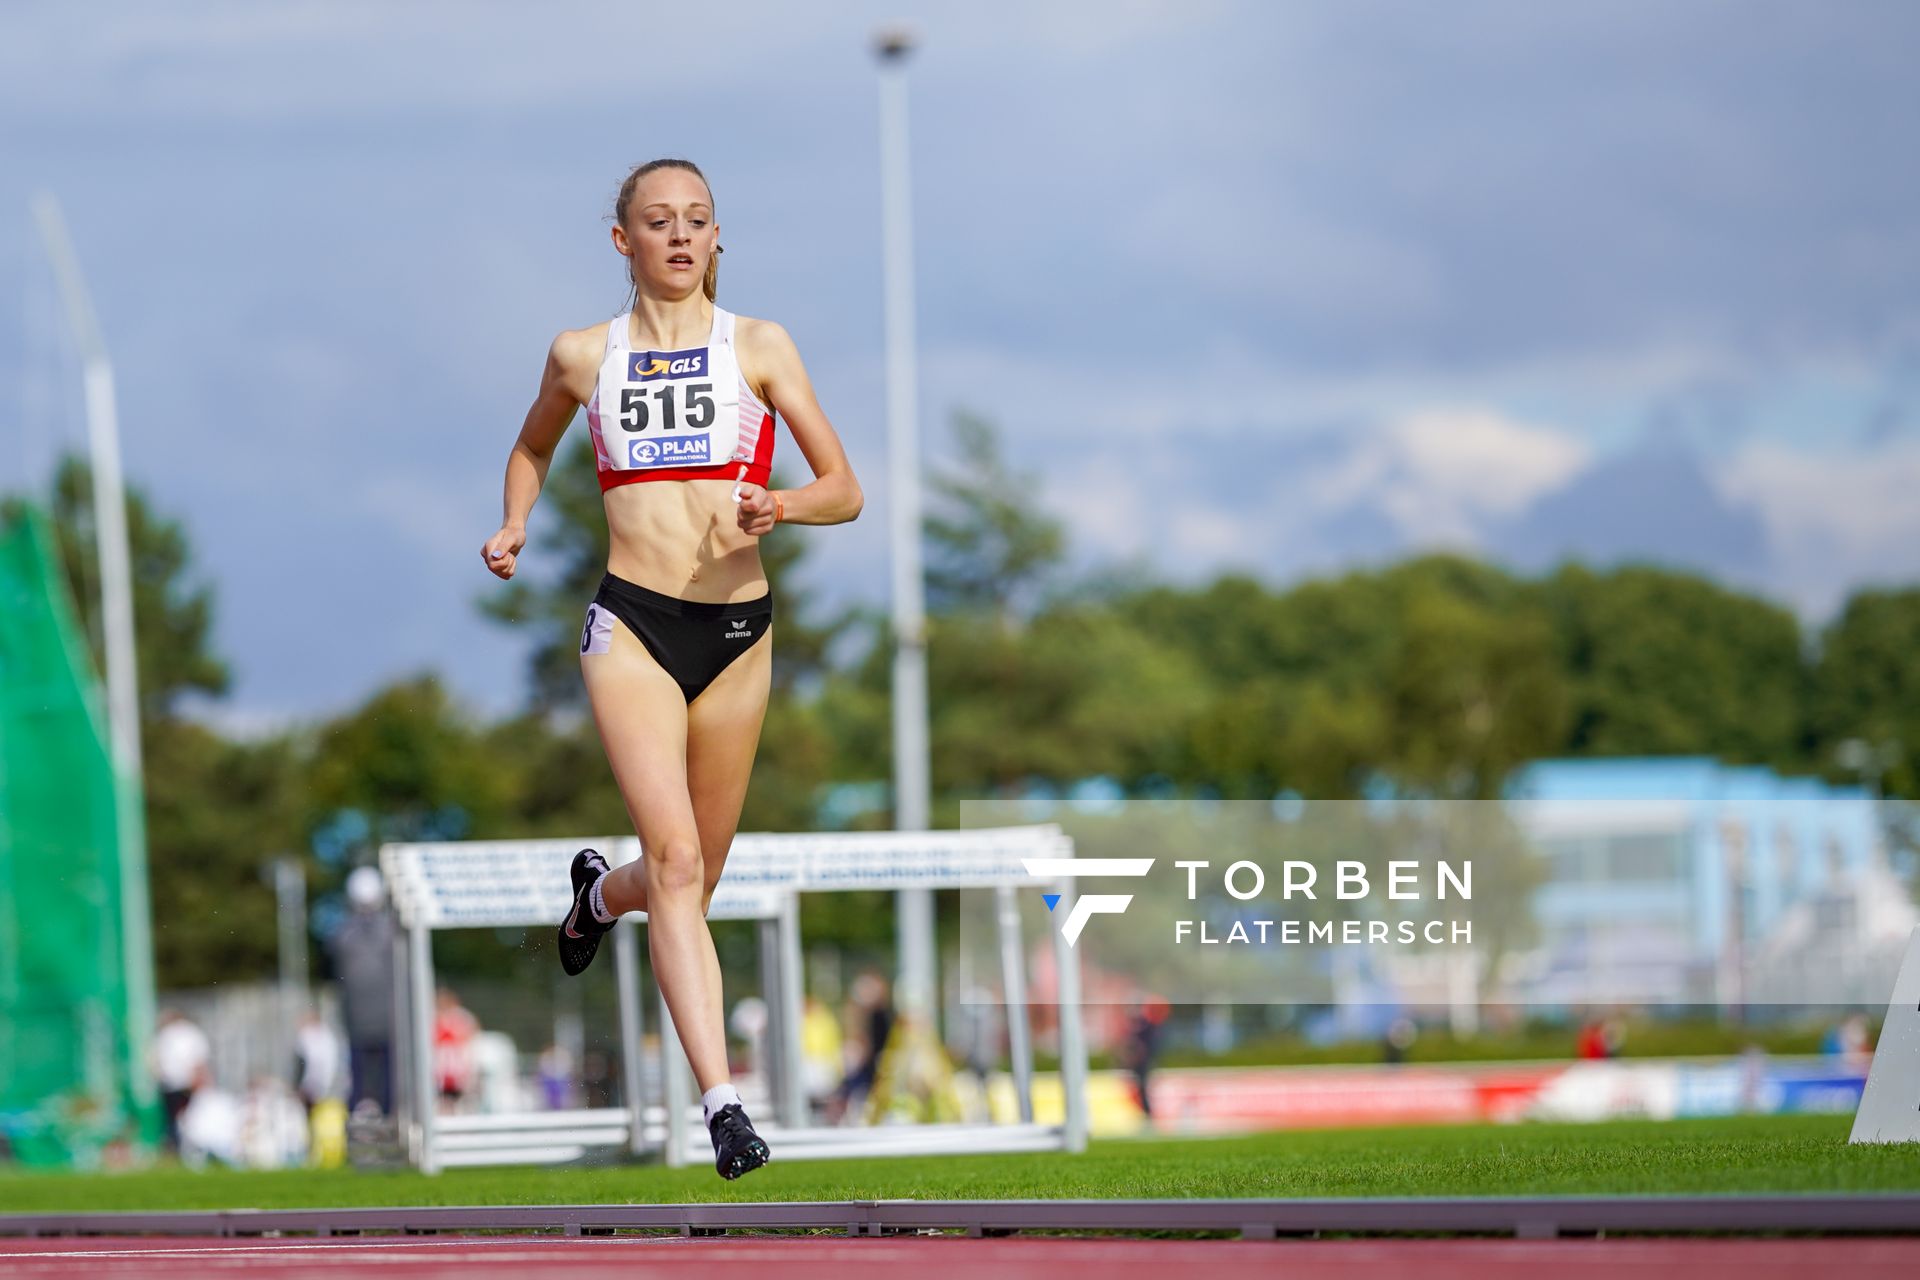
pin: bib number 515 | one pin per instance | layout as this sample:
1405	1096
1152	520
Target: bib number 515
695	412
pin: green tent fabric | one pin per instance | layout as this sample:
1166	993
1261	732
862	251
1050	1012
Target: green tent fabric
68	1091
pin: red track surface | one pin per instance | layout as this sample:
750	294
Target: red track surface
469	1258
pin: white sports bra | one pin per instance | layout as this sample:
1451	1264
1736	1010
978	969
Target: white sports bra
677	415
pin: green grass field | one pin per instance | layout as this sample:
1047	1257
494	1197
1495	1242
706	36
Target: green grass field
1745	1154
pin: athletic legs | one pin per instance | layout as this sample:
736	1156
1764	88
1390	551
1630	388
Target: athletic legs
682	770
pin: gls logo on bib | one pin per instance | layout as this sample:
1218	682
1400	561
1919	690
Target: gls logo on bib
648	366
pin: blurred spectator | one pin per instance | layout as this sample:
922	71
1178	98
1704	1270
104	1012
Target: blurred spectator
1401	1033
179	1058
871	998
1587	1044
1847	1041
750	1022
496	1084
453	1066
1613	1035
596	1078
820	1050
362	952
1600	1038
316	1059
556	1078
273	1126
1753	1079
210	1127
976	1033
1216	1028
327	1133
1142	1042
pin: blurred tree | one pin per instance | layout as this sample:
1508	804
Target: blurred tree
1669	663
410	764
1076	692
1237	737
1867	688
216	811
565	785
990	545
1012	696
1471	694
173	615
1334	741
855	702
1436	672
415	763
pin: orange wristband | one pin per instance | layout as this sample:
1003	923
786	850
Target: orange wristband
779	509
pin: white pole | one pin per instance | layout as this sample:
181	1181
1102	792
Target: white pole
677	1087
426	1098
1073	1040
792	1000
289	880
626	970
116	611
914	912
1013	980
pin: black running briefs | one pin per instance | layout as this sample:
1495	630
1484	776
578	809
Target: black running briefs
693	640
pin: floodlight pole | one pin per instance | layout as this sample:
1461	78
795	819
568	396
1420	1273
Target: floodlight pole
289	880
116	611
914	910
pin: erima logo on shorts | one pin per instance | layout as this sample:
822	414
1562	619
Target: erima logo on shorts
648	366
740	625
670	451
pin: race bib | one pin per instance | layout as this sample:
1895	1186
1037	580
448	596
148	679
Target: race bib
597	635
670	408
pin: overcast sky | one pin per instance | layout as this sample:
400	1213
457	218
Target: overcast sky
1276	287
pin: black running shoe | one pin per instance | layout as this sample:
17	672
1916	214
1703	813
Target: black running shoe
580	933
737	1149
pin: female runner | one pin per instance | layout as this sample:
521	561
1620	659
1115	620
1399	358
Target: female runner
676	649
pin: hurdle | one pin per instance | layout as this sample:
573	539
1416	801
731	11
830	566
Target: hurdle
491	884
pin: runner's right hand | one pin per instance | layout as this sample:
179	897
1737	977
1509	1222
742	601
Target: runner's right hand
502	550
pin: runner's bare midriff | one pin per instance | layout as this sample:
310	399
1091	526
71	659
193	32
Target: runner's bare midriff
683	538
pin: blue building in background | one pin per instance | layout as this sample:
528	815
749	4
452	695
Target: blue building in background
1683	880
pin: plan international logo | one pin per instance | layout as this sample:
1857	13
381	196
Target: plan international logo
1093	904
669	451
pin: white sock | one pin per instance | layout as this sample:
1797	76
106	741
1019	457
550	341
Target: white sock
598	904
717	1097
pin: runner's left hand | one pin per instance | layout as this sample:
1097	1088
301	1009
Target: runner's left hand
756	508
